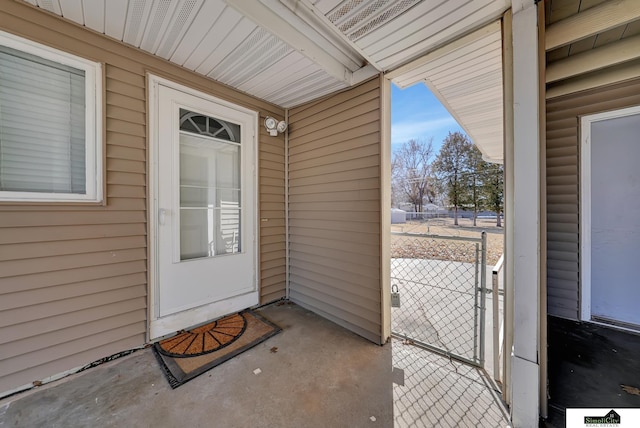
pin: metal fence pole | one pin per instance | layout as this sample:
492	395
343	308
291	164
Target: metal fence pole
496	327
498	336
483	292
476	305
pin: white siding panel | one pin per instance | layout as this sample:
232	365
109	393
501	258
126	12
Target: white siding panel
137	16
50	5
315	85
422	14
270	81
211	38
482	43
157	25
72	9
444	29
233	36
207	17
181	21
94	14
115	18
325	6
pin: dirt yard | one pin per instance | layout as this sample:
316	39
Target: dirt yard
445	249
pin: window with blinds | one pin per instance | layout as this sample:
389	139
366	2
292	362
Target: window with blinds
49	140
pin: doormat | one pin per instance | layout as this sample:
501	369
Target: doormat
191	353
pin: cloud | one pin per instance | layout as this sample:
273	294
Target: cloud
401	132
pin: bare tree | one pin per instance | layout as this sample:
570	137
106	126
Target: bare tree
396	188
411	173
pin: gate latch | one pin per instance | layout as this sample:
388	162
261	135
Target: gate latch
395	296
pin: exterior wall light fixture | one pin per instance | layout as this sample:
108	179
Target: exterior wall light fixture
273	126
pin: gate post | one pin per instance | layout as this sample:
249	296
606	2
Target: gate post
483	292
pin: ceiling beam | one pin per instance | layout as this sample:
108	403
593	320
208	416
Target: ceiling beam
309	43
595	59
307	11
597	19
630	70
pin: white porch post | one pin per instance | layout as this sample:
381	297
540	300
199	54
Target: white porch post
385	207
525	260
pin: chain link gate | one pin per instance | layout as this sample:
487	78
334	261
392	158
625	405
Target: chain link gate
441	285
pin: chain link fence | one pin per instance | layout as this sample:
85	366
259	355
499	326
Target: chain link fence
440	281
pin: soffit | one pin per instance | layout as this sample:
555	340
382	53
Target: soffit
392	33
558	10
286	52
209	37
467	78
590	43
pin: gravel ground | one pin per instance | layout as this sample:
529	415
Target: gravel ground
439	249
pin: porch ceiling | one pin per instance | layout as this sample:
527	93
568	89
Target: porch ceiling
590	43
466	76
286	52
558	10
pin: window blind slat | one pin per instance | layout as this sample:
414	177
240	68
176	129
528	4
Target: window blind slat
49	83
26	97
42	125
12	137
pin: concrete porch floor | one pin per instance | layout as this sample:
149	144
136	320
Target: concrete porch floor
320	376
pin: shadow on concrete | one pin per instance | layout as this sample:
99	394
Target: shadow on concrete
439	392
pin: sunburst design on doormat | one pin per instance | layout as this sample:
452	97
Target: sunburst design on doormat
250	329
206	338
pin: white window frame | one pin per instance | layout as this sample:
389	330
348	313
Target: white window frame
93	123
585	201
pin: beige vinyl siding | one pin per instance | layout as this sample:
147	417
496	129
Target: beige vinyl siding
563	183
334	208
73	278
272	216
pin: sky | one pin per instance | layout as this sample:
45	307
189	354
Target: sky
417	114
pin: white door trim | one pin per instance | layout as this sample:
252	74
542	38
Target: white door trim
585	202
156	326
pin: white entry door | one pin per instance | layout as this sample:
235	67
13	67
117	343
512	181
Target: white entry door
611	230
204	197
